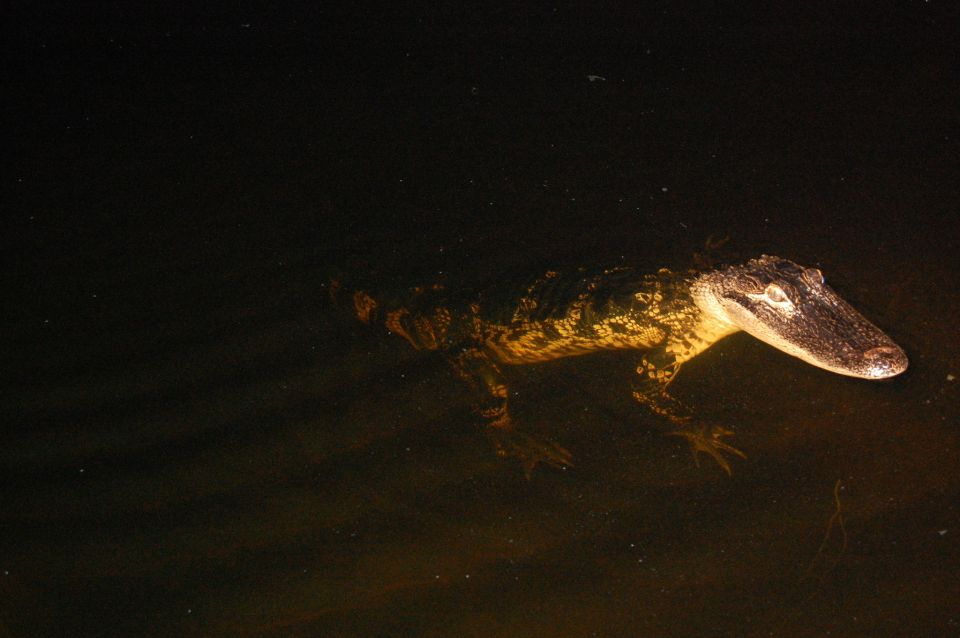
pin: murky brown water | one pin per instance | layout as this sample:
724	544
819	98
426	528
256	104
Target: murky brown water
195	443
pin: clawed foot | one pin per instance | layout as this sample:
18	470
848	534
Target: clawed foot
529	449
706	438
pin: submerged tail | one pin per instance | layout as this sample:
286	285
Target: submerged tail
424	325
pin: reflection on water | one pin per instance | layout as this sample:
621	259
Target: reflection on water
195	443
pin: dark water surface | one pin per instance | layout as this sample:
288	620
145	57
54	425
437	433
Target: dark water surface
195	443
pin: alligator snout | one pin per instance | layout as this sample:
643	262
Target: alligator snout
885	361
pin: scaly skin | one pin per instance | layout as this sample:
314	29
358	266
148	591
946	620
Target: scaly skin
562	316
671	317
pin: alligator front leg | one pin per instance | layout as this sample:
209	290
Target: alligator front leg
477	369
657	371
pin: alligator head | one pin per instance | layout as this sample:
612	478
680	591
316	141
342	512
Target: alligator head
792	309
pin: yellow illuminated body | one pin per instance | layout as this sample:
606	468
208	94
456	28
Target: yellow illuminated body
671	317
557	317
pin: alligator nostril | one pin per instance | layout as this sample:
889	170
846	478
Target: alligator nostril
885	361
881	352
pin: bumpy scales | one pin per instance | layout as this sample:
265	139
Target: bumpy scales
671	317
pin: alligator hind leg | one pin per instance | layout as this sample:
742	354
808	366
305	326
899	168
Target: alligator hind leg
657	371
477	369
705	437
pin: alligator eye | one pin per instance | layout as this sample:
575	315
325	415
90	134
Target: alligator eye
776	295
813	276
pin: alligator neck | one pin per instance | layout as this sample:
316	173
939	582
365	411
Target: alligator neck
694	324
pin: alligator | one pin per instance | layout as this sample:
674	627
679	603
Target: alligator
672	317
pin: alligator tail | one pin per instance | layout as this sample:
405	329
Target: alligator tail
356	302
424	327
